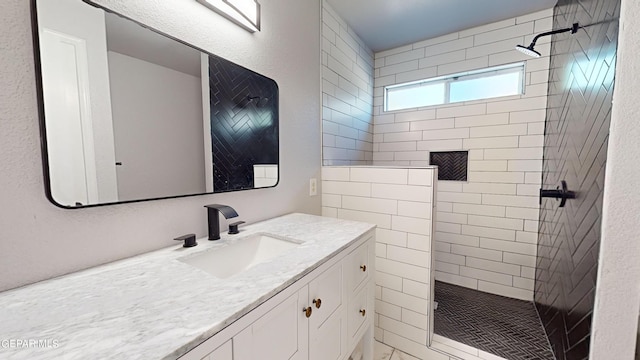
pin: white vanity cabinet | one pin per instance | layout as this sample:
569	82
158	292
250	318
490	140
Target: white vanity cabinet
322	316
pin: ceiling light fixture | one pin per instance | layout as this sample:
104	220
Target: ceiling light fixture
245	13
529	49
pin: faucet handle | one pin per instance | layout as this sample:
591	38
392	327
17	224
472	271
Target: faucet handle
233	228
189	240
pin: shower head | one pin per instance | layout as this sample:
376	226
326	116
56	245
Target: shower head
528	51
258	101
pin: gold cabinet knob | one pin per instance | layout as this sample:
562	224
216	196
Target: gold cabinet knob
363	312
318	303
307	311
363	267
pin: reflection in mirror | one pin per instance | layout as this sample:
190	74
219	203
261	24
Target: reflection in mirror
243	124
130	114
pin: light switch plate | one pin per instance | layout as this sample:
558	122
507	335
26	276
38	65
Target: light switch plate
313	187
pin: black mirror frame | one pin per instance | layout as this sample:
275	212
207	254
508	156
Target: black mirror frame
41	113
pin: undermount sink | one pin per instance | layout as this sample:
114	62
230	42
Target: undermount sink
240	255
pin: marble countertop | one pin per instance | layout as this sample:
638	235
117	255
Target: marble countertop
154	306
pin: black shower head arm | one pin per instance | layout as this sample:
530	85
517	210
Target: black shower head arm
574	29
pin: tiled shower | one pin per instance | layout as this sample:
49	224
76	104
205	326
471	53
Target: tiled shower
486	227
581	86
485	233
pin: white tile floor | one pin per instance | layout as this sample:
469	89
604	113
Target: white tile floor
385	352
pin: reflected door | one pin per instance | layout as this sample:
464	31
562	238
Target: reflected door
69	125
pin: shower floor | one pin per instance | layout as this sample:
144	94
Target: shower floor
496	324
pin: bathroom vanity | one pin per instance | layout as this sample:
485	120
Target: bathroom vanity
311	298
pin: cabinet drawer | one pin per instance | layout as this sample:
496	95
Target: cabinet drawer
357	267
325	295
359	311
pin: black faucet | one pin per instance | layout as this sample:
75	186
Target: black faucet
214	220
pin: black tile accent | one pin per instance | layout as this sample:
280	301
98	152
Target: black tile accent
577	127
244	123
452	165
503	326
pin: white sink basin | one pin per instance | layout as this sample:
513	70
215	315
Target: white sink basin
240	255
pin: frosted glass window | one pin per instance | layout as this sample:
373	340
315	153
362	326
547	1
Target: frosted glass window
415	96
506	80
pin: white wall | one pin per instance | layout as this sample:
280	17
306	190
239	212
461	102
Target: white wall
40	241
206	122
486	231
347	93
618	286
157	124
400	202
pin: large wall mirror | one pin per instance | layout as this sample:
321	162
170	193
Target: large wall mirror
131	114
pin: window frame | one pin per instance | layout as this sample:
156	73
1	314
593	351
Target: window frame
518	67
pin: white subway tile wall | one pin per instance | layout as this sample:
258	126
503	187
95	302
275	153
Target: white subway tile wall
441	349
486	229
347	93
400	202
459	350
265	175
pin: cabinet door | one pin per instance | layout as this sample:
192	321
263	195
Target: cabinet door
327	324
224	352
326	295
281	334
329	342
